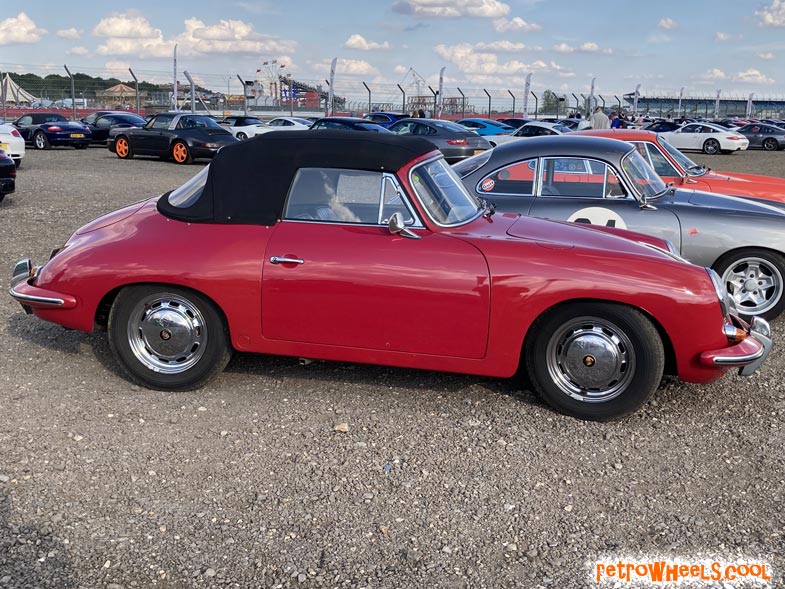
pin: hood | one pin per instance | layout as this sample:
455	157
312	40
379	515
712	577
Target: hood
721	201
111	218
564	235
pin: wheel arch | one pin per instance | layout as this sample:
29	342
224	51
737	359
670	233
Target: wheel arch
745	249
101	316
671	367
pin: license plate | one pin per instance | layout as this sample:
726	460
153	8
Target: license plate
4	146
476	151
77	135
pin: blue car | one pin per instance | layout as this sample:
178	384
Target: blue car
486	126
48	129
385	119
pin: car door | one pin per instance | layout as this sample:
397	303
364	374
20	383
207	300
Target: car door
584	190
688	137
151	139
755	134
23	125
334	274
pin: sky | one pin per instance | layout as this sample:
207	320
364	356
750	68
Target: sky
735	46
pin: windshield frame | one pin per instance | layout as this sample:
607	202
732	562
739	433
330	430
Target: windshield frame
682	161
454	175
643	171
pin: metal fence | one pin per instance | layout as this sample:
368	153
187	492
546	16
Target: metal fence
273	90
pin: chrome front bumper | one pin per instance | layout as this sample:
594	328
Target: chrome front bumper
749	354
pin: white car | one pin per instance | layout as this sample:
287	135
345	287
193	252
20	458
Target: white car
531	129
706	137
283	124
241	127
12	143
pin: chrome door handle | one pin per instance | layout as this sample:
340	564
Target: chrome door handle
278	260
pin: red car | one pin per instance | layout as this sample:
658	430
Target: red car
673	166
365	247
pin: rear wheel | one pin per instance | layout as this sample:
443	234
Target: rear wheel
770	144
755	280
711	147
242	136
40	141
594	361
180	153
168	338
123	148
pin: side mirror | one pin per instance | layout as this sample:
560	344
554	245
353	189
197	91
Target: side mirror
398	227
645	206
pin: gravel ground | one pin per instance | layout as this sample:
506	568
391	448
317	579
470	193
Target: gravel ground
440	480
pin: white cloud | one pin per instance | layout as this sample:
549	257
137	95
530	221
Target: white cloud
19	29
658	38
119	69
668	24
515	25
350	67
750	76
722	37
400	69
504	47
132	34
78	51
767	55
452	8
361	44
772	15
588	47
474	62
71	33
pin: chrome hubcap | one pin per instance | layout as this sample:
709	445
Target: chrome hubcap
591	359
167	333
754	284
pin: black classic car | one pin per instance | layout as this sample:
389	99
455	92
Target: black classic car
182	137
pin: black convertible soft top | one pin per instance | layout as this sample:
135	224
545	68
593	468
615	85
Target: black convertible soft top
247	182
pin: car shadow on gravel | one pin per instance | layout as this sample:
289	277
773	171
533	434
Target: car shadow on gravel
380	376
30	555
46	335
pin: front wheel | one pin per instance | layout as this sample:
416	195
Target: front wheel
181	154
755	280
594	361
242	136
40	141
711	147
770	144
168	338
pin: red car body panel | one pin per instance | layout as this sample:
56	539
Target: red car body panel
732	183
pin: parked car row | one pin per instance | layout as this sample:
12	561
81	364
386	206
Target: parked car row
592	315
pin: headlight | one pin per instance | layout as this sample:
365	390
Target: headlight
726	302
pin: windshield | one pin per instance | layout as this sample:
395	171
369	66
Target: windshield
642	177
449	126
189	192
442	194
465	167
686	163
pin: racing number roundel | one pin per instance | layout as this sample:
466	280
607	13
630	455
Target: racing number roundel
598	216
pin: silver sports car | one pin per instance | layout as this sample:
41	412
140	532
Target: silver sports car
606	182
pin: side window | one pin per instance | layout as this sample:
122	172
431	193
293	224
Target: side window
691	129
404	128
160	122
392	202
514	180
579	178
104	122
26	120
231	121
660	163
342	196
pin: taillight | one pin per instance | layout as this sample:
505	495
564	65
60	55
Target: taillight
457	142
54	128
15	133
734	138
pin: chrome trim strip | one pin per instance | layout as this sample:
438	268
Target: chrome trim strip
35	299
738	360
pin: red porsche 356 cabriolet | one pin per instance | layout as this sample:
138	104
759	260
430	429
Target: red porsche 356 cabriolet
363	247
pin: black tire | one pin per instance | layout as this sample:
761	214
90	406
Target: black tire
193	349
755	279
563	362
770	144
40	141
242	136
711	147
18	163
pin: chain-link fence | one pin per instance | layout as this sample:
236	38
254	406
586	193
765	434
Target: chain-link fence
273	90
